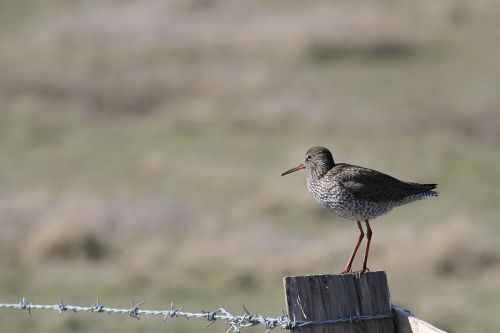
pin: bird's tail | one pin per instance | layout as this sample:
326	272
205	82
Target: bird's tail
423	190
427	190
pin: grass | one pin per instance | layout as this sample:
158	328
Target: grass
142	144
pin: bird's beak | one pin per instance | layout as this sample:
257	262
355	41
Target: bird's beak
298	167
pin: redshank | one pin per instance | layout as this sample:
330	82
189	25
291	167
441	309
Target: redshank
356	193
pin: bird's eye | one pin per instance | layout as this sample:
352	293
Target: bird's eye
308	157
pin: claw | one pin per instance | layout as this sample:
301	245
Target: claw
346	270
360	273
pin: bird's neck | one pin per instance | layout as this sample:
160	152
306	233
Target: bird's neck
319	170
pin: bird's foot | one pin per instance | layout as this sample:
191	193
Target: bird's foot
346	270
360	273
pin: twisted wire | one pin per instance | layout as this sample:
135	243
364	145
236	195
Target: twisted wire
235	322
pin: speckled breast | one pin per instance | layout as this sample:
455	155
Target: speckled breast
342	203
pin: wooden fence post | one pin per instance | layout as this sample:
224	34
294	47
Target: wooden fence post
326	297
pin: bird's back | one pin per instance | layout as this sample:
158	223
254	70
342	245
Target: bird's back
356	193
372	185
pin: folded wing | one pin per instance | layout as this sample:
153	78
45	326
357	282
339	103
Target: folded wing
372	185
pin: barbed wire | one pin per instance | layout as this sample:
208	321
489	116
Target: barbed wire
235	322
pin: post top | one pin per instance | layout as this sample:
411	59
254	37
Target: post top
327	275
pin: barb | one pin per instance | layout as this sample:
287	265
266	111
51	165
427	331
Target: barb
235	322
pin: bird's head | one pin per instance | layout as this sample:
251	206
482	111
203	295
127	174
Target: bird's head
318	160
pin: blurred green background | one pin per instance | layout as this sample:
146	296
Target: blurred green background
141	144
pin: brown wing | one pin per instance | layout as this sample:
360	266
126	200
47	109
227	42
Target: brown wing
368	184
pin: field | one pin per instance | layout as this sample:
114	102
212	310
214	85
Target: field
141	146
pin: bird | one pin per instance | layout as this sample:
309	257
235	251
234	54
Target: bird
356	193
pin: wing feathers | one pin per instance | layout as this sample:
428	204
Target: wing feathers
372	185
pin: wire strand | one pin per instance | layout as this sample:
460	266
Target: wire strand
235	322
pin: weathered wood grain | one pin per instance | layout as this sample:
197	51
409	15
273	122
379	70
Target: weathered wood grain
374	298
322	297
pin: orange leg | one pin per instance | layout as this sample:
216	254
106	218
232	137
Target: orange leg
367	248
361	234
